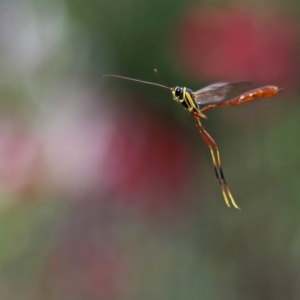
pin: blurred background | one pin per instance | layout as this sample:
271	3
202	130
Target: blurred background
107	190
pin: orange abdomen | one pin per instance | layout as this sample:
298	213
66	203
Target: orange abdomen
266	91
263	92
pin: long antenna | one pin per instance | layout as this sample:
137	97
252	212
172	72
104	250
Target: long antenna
156	73
137	80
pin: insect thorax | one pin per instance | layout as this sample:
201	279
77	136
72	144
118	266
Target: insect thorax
185	97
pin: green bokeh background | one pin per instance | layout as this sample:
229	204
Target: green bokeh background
212	252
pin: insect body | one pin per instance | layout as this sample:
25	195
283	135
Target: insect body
184	96
212	96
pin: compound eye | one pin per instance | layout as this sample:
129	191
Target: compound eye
177	92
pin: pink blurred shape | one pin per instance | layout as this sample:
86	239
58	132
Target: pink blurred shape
131	154
149	158
19	155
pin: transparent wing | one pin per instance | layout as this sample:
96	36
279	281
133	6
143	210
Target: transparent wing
220	92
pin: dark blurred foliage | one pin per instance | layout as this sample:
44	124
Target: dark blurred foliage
107	189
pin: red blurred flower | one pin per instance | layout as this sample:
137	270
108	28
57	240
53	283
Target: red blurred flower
131	155
19	151
149	159
236	44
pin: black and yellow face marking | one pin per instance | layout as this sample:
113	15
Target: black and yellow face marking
215	95
181	96
185	97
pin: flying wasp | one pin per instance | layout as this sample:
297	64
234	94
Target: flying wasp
212	96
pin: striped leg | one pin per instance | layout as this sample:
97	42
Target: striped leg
216	159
